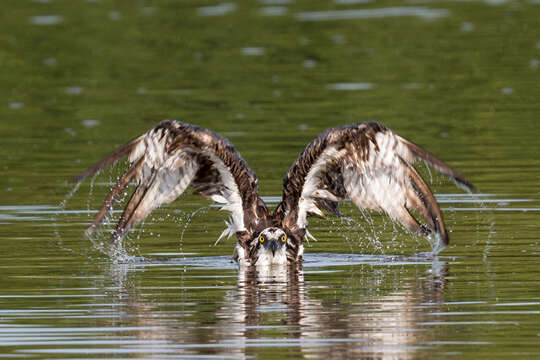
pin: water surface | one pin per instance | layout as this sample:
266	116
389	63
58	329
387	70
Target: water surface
83	77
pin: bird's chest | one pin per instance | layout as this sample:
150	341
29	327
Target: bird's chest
265	258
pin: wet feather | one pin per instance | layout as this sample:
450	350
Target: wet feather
365	162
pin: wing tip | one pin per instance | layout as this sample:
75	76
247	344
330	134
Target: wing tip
430	159
81	177
462	183
110	159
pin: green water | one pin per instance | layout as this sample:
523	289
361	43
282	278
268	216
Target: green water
79	78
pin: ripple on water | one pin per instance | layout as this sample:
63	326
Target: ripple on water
311	260
352	2
253	51
352	86
217	10
46	20
276	2
74	90
15	105
399	11
273	11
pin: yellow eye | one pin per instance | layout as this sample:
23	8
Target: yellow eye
261	239
283	238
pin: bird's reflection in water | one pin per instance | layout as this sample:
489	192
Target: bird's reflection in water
369	316
362	311
269	290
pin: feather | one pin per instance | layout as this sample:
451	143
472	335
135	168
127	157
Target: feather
365	162
113	196
109	159
373	167
169	158
437	164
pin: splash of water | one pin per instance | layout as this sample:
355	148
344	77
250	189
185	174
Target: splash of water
90	192
428	169
60	209
365	227
70	195
437	243
119	255
188	222
115	251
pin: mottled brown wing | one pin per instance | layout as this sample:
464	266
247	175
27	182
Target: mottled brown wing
168	159
372	166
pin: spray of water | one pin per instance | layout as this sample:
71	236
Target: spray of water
187	222
69	195
90	192
61	209
101	245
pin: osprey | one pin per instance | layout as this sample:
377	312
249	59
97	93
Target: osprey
365	162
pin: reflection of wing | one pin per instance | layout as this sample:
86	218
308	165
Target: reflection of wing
171	157
369	164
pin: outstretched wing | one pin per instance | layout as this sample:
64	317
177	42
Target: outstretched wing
372	166
169	158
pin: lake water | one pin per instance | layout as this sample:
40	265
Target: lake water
79	78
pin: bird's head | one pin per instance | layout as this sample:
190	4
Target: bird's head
271	247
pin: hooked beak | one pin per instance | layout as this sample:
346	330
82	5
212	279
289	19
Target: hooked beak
273	246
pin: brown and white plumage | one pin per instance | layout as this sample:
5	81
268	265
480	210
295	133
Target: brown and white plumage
365	162
169	158
372	166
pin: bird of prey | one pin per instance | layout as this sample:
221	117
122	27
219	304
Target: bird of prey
365	162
